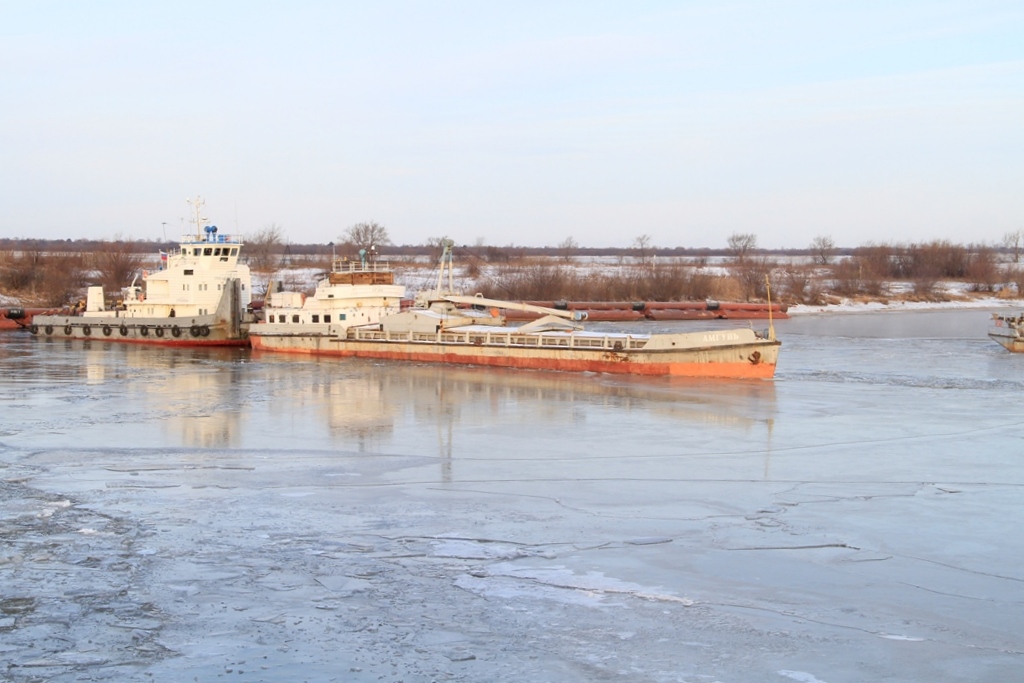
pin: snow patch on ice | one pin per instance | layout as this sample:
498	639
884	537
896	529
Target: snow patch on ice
910	639
593	583
472	550
801	676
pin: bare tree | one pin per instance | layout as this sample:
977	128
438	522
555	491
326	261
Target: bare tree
63	276
1014	243
753	275
823	248
366	235
567	248
265	247
20	269
643	245
116	263
437	244
741	244
982	268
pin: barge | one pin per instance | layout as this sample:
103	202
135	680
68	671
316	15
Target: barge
356	312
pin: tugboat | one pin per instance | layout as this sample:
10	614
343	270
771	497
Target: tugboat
356	313
1008	331
200	298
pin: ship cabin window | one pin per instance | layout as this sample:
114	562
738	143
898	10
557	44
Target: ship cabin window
270	318
216	252
195	252
234	251
295	318
327	317
208	251
188	272
341	316
316	318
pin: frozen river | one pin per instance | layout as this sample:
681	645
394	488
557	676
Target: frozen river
197	515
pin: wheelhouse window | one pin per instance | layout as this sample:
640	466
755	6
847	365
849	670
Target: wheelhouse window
295	318
188	271
316	318
327	317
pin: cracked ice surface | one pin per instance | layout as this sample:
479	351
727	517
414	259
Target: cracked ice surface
180	515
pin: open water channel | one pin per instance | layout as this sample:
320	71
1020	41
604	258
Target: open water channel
202	515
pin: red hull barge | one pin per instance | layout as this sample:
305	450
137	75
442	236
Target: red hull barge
16	318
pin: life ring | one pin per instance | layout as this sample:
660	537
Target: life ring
106	330
123	330
159	331
205	330
67	330
49	330
175	330
34	329
194	331
143	330
86	330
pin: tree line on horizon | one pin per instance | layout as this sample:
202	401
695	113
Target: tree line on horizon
53	272
272	238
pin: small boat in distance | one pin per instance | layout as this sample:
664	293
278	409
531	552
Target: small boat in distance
1008	331
201	297
356	313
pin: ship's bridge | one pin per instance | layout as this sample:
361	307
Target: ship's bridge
210	248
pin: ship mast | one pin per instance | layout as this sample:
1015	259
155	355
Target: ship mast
198	219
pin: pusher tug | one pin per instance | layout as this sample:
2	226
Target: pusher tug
200	298
356	312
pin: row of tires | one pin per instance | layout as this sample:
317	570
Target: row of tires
144	330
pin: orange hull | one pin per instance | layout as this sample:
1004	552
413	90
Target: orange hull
607	362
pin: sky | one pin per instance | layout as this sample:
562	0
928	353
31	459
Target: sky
521	123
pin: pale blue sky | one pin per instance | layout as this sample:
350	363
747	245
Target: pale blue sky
516	122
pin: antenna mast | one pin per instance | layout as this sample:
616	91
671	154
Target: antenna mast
197	205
